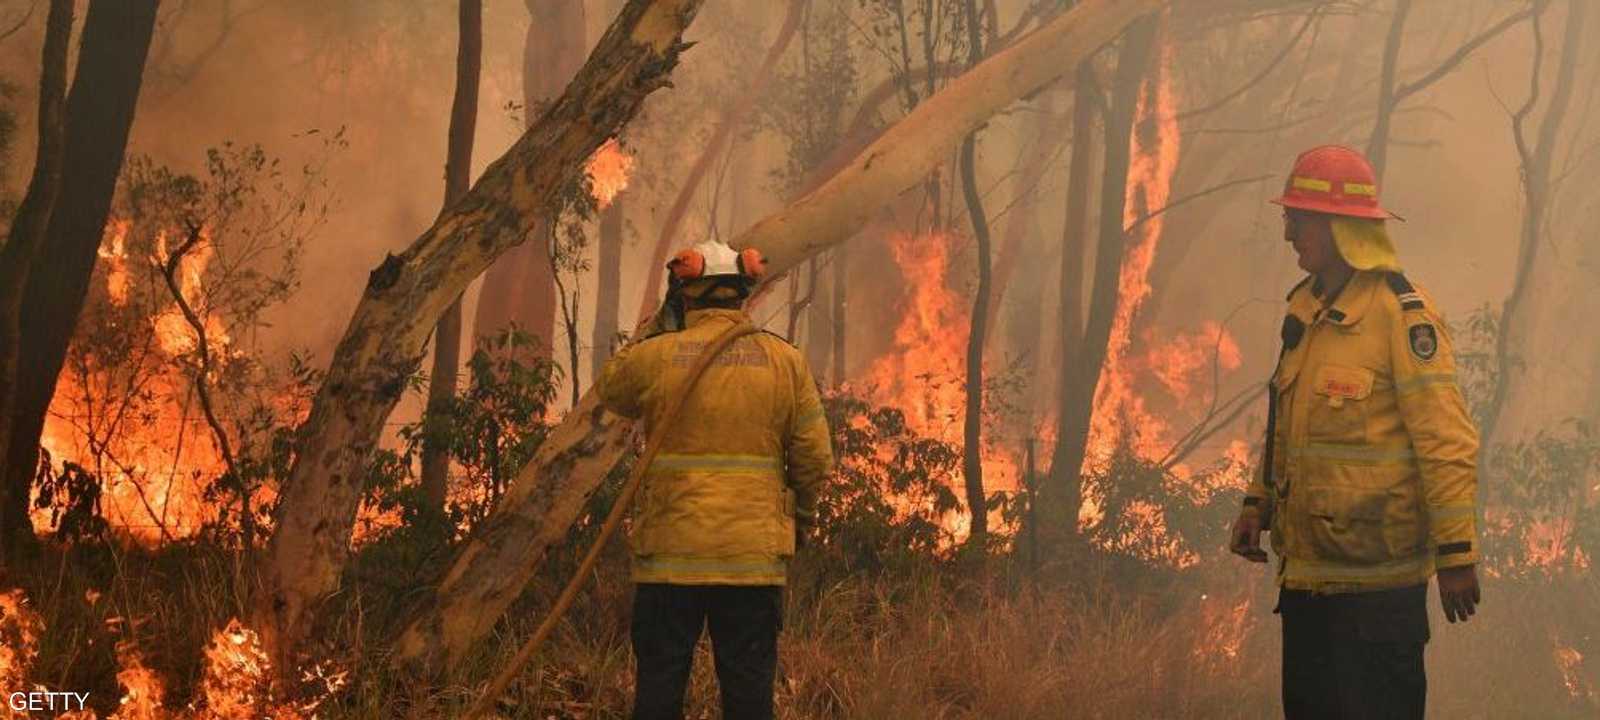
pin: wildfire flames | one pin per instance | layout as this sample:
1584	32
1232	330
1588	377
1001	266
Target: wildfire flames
924	374
148	447
608	171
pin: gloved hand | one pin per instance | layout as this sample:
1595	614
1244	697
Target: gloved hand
1458	592
1245	540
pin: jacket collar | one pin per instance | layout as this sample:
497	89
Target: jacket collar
703	315
1346	309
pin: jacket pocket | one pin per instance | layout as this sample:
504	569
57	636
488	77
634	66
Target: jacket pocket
1338	412
1346	524
784	543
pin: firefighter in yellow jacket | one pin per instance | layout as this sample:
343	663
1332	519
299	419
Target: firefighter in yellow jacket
724	504
1369	473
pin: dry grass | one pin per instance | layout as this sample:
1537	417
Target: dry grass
1092	640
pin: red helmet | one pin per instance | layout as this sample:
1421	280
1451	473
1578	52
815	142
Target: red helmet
1336	180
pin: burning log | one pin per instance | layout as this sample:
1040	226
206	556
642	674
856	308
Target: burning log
548	494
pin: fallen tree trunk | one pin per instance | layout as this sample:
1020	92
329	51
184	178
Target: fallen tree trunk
548	494
407	293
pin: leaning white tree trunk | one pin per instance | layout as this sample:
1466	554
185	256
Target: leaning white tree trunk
407	293
548	494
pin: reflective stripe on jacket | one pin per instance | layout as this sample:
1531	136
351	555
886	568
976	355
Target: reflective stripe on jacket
744	461
1373	478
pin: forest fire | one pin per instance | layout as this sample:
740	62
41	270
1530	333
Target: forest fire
124	410
1119	410
924	372
20	626
608	170
204	546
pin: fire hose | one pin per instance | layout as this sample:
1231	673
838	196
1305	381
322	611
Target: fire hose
613	519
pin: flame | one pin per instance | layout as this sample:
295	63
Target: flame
235	681
116	257
608	171
1153	155
143	691
1570	662
1225	626
177	337
924	374
20	627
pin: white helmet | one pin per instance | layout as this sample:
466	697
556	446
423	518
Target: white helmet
710	259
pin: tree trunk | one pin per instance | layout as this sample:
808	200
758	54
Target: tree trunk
549	492
608	285
837	319
520	288
29	228
972	430
1535	168
1378	145
457	179
406	294
100	107
1067	482
1081	374
734	116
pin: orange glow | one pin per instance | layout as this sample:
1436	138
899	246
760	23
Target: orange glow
116	257
608	171
1226	623
1153	156
235	682
924	374
142	691
1570	662
20	627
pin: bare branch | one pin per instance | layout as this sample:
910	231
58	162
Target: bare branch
1252	82
1460	54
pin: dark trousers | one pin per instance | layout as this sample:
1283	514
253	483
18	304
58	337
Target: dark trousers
744	623
1354	655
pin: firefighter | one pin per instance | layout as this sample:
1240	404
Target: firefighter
1369	477
728	499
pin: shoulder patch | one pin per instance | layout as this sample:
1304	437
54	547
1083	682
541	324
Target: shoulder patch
1403	290
1424	341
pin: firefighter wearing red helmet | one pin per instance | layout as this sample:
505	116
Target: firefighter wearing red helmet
728	499
1369	480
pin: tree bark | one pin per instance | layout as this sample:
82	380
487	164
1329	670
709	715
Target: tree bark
547	494
1067	485
1081	373
837	318
608	285
457	179
406	294
735	115
1535	170
29	229
99	115
520	288
972	430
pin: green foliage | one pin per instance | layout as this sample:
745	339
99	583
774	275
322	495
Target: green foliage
489	430
890	496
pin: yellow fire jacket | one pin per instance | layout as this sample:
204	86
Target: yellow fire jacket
1373	475
743	463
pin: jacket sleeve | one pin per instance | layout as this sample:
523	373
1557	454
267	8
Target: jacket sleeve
622	385
809	445
1440	429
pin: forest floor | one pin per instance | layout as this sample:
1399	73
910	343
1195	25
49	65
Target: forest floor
1088	638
